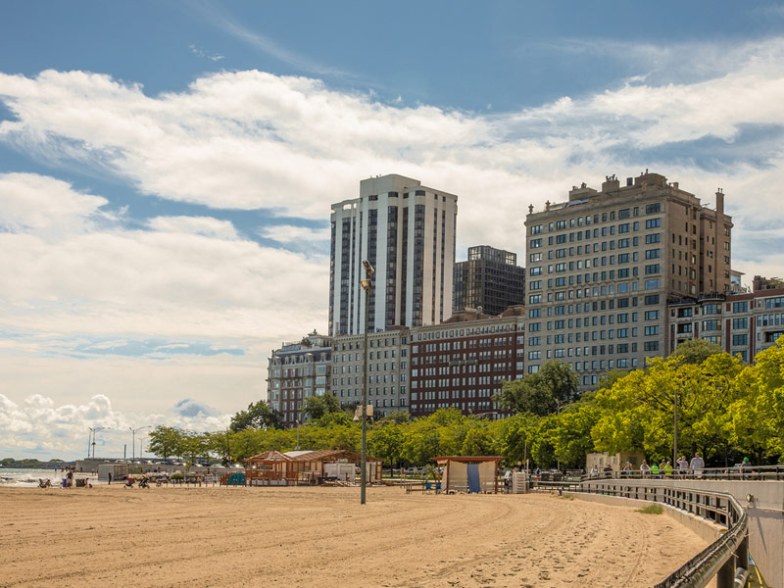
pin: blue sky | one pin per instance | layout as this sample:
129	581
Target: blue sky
166	168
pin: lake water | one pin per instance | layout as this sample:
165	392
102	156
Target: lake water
28	477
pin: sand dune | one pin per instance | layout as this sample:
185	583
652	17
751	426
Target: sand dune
198	537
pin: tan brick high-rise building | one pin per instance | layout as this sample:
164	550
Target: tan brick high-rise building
603	265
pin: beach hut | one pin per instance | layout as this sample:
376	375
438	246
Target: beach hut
469	473
118	471
275	468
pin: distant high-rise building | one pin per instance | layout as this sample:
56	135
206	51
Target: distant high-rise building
464	362
603	266
298	371
490	279
387	374
407	232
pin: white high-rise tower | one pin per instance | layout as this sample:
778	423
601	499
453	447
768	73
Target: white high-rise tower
407	232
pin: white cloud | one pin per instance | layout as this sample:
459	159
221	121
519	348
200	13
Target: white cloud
293	234
185	276
85	288
254	140
83	278
199	52
195	225
42	205
42	427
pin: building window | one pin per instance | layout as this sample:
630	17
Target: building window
777	302
740	340
740	323
740	306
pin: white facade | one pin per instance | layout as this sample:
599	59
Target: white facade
407	232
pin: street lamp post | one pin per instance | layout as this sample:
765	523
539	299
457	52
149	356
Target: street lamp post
133	439
367	286
675	428
91	439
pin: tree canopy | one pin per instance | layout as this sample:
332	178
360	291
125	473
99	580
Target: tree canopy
725	409
541	393
259	415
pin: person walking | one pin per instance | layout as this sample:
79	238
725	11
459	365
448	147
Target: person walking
697	464
745	468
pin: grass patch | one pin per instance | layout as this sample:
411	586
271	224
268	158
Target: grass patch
651	509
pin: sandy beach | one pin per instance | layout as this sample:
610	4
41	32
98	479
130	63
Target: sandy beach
224	536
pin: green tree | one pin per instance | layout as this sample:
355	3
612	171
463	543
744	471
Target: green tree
541	393
695	351
422	443
386	443
316	407
514	436
637	412
571	433
478	440
757	417
167	442
259	415
398	417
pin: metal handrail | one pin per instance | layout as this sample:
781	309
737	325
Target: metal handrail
734	472
718	507
700	569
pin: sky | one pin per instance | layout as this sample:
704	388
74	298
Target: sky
167	170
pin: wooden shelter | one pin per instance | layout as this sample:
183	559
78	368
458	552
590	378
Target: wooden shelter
470	473
292	468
